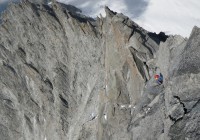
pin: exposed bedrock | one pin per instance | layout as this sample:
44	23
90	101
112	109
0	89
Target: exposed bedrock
67	76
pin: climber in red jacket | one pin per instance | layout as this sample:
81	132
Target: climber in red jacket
159	78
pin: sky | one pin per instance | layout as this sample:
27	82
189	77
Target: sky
169	16
4	4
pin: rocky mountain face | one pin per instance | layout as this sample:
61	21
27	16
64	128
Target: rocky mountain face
64	76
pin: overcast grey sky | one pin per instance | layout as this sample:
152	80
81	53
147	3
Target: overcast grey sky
170	16
94	7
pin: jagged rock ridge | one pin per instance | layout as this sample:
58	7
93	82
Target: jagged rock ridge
67	76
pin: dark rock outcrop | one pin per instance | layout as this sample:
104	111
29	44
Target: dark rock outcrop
67	76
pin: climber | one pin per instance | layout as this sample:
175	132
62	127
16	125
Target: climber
159	78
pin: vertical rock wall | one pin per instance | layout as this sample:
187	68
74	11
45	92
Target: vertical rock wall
67	76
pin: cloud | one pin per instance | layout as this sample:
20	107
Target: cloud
2	1
96	7
4	4
171	16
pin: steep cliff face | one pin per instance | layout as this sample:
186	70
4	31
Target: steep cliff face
51	74
66	76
